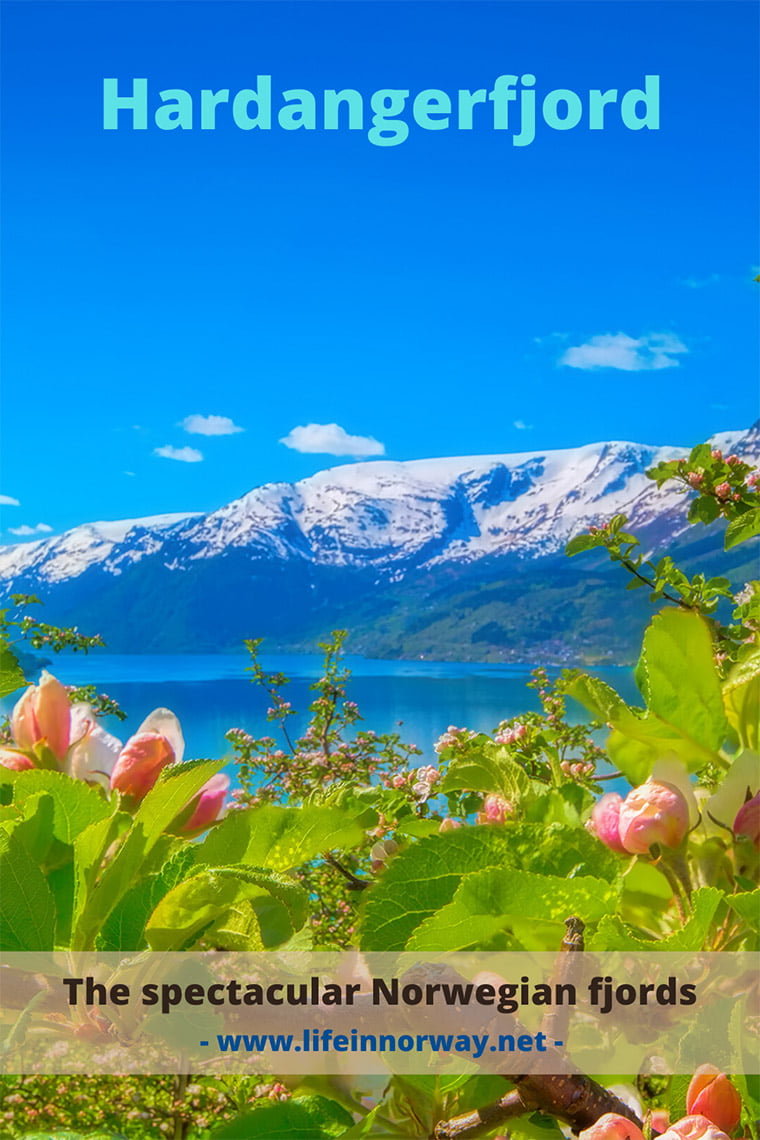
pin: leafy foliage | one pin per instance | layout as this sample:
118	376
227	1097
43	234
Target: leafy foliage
336	839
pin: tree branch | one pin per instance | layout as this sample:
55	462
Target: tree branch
573	1098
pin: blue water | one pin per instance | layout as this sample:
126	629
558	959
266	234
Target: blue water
211	694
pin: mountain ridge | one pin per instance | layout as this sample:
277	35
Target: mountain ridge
378	546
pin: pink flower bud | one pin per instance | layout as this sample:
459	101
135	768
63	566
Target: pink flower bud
42	716
656	812
398	781
605	822
723	490
696	478
753	479
495	809
733	460
208	804
16	761
694	1128
449	825
711	1094
140	763
747	820
659	1120
716	453
611	1126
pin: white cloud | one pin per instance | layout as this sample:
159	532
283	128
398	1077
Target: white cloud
7	501
181	454
521	425
700	282
331	439
626	353
25	531
210	425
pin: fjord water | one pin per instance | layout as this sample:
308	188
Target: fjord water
212	693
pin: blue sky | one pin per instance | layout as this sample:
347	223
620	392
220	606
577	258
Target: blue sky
451	295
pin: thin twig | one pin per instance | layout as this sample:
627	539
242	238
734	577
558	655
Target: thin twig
354	884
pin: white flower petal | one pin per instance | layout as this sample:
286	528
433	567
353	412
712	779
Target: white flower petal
670	770
164	722
93	755
730	796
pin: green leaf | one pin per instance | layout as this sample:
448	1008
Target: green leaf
422	879
741	699
535	1127
61	884
744	527
418	828
747	905
486	769
679	1086
663	471
163	803
278	837
699	456
303	1118
11	674
76	805
425	877
581	543
124	929
27	908
235	908
36	829
89	849
565	804
73	1136
613	934
704	509
597	696
488	902
678	677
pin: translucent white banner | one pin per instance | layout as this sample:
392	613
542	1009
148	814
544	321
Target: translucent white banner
352	1013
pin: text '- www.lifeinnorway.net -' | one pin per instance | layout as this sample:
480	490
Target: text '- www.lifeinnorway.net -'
354	1041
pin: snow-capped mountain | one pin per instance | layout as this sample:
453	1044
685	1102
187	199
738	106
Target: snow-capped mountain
343	538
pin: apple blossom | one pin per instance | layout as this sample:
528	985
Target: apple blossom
41	716
747	821
93	752
140	763
659	1119
449	824
694	1128
605	821
165	723
16	761
495	809
208	804
424	778
711	1094
612	1126
655	812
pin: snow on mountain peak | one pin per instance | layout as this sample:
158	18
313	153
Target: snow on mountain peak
386	514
